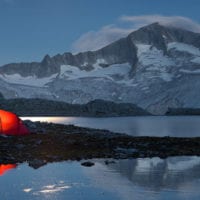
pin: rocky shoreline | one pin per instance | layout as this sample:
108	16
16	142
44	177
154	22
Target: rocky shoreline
53	142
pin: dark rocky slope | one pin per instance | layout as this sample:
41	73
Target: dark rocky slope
97	108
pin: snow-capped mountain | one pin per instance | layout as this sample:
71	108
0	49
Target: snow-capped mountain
155	67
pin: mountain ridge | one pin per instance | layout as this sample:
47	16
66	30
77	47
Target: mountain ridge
72	59
154	67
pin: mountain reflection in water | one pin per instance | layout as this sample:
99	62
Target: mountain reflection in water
156	173
144	178
150	178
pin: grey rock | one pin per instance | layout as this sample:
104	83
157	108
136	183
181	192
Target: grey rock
37	163
87	164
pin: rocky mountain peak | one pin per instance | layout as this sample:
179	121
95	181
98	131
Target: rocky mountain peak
46	60
158	35
155	67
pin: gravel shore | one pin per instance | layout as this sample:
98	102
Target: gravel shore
53	142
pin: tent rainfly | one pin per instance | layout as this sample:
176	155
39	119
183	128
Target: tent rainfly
10	124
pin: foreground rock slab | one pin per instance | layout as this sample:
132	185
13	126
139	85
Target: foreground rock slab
53	142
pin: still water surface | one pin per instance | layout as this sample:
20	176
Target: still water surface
174	178
179	126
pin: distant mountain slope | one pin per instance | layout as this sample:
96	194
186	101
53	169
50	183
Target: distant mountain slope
96	108
155	67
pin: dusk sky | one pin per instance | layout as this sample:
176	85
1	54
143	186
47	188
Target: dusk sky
30	29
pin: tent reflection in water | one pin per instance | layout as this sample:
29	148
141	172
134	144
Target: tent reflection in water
5	167
10	124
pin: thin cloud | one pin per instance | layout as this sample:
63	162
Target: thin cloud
174	21
94	40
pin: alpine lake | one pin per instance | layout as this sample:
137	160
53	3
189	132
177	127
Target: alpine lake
142	178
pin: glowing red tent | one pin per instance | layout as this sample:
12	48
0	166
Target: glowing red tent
6	167
10	124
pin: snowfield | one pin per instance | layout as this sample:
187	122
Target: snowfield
118	70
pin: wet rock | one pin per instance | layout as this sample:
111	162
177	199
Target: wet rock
87	164
37	163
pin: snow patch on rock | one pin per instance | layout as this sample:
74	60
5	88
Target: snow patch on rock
28	80
190	71
184	48
117	70
154	62
98	62
196	60
149	55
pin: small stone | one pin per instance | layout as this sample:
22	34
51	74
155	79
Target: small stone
87	164
37	163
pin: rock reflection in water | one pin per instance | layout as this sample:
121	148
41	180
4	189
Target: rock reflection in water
156	173
150	178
